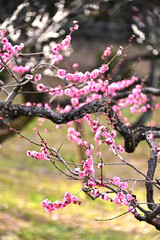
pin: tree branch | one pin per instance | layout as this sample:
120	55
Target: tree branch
152	163
131	138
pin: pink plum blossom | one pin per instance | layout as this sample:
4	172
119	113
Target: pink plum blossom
40	87
61	72
123	185
37	77
119	52
116	180
74	101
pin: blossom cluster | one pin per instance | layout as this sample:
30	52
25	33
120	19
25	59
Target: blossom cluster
93	88
20	69
82	77
46	105
7	51
75	136
107	52
56	56
93	83
136	99
88	168
121	198
56	205
43	155
103	135
114	87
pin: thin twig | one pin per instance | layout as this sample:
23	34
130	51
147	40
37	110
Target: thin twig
110	219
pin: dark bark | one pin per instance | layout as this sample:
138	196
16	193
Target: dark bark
131	138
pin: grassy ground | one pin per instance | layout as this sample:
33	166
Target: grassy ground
25	182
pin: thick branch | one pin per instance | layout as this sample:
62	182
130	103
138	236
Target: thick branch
155	222
58	118
151	90
132	138
152	163
140	133
155	212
